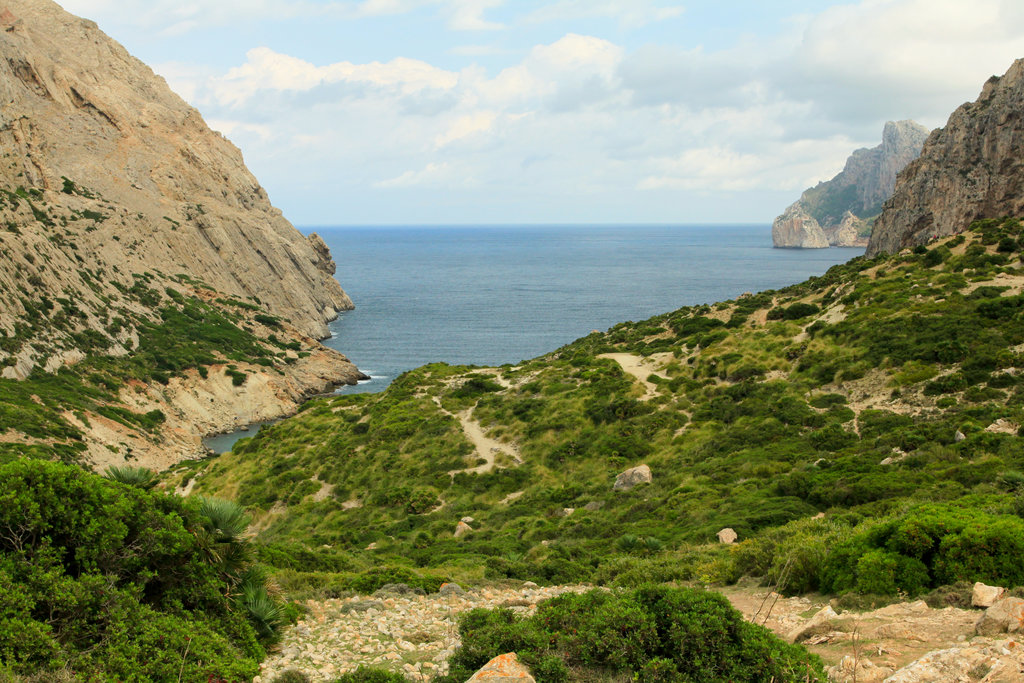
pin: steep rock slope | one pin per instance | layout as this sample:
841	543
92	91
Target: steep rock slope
149	291
83	120
970	169
844	206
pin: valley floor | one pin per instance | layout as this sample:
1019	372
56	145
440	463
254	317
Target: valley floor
900	643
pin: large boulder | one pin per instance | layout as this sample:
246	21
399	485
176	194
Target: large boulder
727	536
1005	616
503	669
816	624
632	477
986	596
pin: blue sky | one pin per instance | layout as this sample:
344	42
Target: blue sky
579	111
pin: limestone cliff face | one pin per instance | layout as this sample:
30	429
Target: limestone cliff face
797	229
844	206
119	205
973	168
175	196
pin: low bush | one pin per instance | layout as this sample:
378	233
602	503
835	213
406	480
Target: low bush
652	633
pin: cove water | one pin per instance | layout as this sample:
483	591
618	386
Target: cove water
501	294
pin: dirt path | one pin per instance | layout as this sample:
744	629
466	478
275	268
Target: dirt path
487	448
640	368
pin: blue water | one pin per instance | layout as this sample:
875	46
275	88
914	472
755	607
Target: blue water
495	295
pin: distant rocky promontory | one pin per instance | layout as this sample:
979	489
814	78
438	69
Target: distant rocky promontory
973	168
840	212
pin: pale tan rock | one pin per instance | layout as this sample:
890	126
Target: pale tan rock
972	168
139	190
176	195
633	477
819	620
461	529
857	669
503	669
727	536
796	229
986	596
840	207
1004	616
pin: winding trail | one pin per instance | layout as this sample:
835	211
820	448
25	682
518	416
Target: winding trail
640	368
486	447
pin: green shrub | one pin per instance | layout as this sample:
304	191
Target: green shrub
367	674
930	546
111	581
653	633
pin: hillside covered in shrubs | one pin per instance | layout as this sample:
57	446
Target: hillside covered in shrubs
859	431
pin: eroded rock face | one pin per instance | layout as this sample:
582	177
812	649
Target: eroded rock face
842	206
1004	616
972	168
797	229
92	129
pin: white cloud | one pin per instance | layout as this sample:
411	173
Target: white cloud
466	126
265	70
585	122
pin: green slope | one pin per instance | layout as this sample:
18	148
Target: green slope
881	387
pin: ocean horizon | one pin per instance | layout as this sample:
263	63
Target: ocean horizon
501	293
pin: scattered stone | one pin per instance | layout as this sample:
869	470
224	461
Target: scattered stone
820	515
503	669
986	596
1005	616
860	669
633	477
819	622
451	589
567	512
727	536
959	436
372	546
468	520
361	606
462	529
529	584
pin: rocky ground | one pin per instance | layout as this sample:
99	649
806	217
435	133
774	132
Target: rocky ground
415	634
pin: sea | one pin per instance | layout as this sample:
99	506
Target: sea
490	295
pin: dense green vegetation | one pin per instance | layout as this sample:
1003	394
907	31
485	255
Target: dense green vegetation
113	582
185	333
651	634
860	431
883	386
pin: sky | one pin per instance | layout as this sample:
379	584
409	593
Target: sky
365	112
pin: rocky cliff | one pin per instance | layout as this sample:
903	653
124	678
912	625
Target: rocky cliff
972	168
89	131
124	222
844	207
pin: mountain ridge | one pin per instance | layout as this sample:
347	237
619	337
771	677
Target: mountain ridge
968	170
839	212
